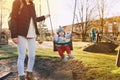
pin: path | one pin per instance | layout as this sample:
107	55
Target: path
49	44
46	44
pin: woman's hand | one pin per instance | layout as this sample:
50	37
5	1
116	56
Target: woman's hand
15	40
48	15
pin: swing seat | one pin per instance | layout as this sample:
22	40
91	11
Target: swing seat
69	43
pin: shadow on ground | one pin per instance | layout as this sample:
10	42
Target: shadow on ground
48	68
53	68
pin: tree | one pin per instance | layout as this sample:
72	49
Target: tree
85	10
101	8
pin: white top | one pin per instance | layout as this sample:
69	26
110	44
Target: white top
31	31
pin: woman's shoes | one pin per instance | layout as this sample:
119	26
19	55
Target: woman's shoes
21	77
29	76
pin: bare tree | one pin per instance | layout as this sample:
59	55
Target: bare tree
102	9
86	10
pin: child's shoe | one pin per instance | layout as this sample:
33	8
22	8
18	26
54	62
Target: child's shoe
64	59
71	55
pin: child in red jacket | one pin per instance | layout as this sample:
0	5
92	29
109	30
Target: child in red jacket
62	37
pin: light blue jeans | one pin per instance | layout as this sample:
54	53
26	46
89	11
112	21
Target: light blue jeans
23	45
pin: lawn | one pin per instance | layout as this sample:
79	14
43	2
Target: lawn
101	66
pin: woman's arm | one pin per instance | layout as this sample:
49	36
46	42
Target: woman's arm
42	18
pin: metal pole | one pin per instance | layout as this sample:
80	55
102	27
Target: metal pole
50	18
74	14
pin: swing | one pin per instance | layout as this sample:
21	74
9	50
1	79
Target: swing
69	42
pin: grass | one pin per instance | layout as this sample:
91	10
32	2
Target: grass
7	51
101	66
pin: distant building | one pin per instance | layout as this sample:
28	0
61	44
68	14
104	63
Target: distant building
110	26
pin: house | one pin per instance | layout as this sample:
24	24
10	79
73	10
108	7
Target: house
110	26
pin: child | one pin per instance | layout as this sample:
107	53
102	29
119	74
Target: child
61	37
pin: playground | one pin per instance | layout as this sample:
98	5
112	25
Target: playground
48	65
93	41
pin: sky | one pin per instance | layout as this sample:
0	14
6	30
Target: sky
62	11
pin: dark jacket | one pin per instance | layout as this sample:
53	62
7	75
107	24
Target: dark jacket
21	22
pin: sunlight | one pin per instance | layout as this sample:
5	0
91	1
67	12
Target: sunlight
116	71
7	7
56	11
61	10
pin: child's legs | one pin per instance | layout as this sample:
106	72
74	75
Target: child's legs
67	49
21	54
60	51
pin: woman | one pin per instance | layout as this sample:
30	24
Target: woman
23	33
